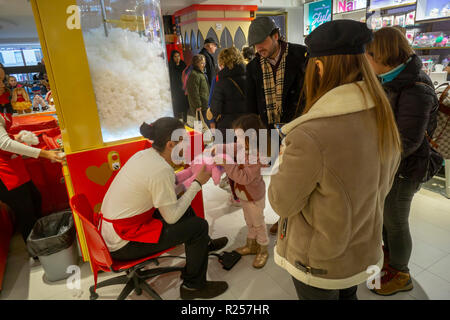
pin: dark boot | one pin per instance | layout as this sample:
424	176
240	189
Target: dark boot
217	244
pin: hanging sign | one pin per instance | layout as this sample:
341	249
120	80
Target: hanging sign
349	5
316	13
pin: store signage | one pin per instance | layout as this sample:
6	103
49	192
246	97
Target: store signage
350	5
378	4
317	13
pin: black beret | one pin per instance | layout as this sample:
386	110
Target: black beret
338	37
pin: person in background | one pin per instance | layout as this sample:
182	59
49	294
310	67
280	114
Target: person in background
208	51
179	99
12	83
248	53
415	105
344	151
143	195
197	87
228	98
274	77
16	188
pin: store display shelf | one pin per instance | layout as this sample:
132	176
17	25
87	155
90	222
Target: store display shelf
391	7
433	20
431	48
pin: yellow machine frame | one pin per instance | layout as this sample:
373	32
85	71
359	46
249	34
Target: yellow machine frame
70	81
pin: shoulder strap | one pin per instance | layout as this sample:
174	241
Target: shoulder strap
442	107
425	84
430	140
237	86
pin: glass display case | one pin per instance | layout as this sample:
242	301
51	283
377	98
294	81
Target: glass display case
432	10
127	59
428	62
403	16
431	40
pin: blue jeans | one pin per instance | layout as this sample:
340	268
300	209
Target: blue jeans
396	234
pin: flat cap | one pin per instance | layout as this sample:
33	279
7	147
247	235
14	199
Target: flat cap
338	37
260	29
210	40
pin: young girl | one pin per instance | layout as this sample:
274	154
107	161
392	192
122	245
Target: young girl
248	186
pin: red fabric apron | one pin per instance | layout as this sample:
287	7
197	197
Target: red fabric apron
140	228
13	172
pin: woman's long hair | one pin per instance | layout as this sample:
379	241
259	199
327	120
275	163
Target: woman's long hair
339	70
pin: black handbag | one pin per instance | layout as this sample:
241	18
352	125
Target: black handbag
435	162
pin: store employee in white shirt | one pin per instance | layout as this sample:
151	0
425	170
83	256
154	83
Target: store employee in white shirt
142	215
17	189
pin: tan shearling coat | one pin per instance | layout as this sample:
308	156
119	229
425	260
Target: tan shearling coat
329	191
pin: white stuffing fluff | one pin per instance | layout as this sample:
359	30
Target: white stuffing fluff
130	79
28	137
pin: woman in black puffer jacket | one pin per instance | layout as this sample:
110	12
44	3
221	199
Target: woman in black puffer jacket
228	98
415	106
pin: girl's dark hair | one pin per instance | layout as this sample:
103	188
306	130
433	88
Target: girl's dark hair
249	121
252	121
160	131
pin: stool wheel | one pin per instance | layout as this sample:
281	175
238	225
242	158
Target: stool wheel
94	295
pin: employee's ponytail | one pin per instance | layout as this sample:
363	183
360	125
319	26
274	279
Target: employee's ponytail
160	131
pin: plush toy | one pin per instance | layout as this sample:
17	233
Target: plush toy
434	13
187	176
38	102
20	100
27	137
445	11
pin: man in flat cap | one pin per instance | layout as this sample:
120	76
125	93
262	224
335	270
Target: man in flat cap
209	48
275	76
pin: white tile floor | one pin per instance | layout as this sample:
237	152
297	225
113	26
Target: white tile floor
430	261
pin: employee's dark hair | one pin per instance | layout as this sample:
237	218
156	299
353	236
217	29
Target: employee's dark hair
160	131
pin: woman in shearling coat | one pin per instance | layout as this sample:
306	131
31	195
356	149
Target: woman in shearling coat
337	166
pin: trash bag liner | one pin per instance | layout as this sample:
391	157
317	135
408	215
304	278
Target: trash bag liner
52	234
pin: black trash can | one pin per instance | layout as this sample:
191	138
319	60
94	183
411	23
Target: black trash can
52	240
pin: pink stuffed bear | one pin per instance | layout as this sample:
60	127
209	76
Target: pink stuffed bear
187	176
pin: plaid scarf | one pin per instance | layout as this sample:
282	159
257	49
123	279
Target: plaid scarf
273	88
